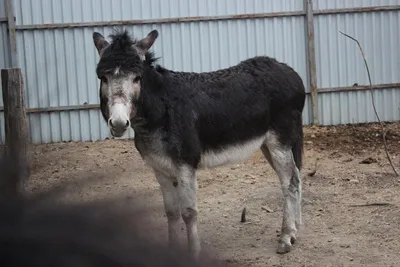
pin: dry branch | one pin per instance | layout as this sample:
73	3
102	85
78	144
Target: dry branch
371	204
373	102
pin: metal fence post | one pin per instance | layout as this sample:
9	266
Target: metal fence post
12	33
311	60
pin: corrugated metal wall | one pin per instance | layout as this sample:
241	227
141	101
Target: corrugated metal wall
333	4
59	64
63	11
340	63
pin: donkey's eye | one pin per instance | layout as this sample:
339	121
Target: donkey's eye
103	79
137	79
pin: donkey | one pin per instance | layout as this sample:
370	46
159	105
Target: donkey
185	121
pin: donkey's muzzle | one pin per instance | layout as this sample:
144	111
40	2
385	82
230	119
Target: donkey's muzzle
118	127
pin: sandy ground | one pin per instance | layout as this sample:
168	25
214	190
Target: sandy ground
334	233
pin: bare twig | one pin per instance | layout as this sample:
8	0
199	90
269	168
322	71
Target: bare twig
373	102
265	208
371	204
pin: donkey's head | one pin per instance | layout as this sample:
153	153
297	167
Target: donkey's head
120	70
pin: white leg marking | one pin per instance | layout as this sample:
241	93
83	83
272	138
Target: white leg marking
187	187
171	206
289	176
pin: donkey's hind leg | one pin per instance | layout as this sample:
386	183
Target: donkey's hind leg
280	156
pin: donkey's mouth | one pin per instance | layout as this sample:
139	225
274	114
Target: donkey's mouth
118	134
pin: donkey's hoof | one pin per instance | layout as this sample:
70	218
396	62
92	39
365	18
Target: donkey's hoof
283	248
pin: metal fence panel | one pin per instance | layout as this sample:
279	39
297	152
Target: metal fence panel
356	107
61	11
2	9
334	4
4	59
340	63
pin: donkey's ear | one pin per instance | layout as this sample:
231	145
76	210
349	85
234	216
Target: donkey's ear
100	42
146	43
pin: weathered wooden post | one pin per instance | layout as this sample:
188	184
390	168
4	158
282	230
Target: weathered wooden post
311	60
16	132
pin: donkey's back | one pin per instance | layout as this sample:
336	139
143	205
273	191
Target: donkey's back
261	73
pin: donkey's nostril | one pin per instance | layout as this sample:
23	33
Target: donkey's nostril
127	124
110	122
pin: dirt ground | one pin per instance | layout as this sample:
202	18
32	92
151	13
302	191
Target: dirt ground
352	169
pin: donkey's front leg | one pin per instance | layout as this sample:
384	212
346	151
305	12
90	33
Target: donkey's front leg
171	206
187	187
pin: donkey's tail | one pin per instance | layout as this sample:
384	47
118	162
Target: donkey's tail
297	149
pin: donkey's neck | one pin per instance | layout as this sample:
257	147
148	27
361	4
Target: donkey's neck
151	107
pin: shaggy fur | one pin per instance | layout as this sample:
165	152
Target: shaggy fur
220	102
185	121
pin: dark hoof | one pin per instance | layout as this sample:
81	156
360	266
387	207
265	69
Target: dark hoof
283	248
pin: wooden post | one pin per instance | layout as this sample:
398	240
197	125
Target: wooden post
311	60
12	32
16	132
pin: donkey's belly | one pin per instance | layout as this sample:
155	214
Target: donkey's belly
231	154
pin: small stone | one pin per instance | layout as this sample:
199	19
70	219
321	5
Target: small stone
368	161
330	240
313	136
354	181
309	142
267	209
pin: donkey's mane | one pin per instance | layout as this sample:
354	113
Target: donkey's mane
122	41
